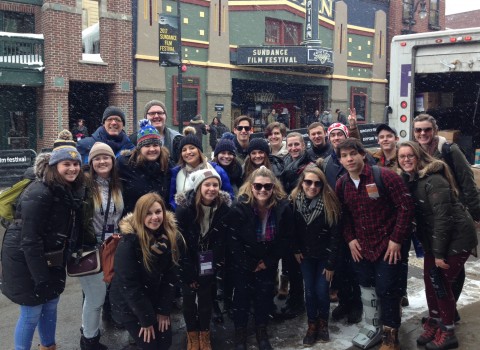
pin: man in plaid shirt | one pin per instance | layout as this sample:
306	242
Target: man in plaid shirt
376	221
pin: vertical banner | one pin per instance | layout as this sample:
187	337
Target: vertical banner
169	41
311	20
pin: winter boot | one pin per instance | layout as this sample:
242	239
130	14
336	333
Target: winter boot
390	339
312	333
262	338
444	339
322	327
51	347
283	290
430	327
340	312
205	340
92	343
241	339
193	342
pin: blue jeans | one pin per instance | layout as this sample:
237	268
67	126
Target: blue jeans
317	297
45	316
389	287
94	289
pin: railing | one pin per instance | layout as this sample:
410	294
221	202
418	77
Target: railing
21	50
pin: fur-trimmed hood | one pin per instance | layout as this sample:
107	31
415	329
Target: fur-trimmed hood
126	224
41	163
126	152
434	167
186	199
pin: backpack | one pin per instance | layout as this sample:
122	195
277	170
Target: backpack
377	177
8	200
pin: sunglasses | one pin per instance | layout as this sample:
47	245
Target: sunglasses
425	130
267	187
246	128
309	183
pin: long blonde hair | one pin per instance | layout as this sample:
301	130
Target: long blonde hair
330	199
168	227
246	189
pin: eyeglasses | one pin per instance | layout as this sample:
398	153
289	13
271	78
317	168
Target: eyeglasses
153	114
267	187
425	130
246	128
114	119
309	183
406	156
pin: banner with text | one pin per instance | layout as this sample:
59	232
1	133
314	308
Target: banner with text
169	41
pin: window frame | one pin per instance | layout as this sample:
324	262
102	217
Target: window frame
434	11
283	26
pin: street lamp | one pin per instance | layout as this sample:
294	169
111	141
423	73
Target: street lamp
413	9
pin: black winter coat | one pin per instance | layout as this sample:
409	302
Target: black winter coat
44	222
293	169
137	294
316	240
241	237
214	239
139	180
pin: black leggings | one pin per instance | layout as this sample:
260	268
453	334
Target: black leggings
198	312
162	341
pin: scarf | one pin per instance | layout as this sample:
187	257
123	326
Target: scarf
310	209
433	146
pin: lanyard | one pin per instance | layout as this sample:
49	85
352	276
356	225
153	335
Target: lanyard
105	216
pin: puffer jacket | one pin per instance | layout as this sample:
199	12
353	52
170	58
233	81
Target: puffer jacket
137	294
213	240
44	220
242	244
142	179
444	226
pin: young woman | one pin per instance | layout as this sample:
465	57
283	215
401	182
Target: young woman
316	211
275	133
142	289
259	227
33	251
199	213
225	157
447	233
146	168
191	160
102	213
258	155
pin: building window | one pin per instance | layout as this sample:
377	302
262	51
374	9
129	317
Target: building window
279	32
407	9
16	22
91	27
434	15
190	98
359	101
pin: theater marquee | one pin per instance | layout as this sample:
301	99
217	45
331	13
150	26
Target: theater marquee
284	56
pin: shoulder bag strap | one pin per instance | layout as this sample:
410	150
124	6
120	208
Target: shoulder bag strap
105	216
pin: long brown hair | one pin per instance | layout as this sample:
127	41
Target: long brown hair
115	185
137	159
249	166
168	227
51	177
330	200
246	190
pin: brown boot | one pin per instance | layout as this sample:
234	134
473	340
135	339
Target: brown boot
205	341
390	339
51	347
312	333
322	328
429	330
193	341
283	290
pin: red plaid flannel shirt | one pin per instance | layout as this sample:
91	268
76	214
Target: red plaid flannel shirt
373	222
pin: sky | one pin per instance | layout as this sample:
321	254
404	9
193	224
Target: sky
456	6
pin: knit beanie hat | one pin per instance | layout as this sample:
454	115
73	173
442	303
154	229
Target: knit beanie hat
190	138
152	103
112	110
64	148
338	126
197	177
100	148
225	145
258	144
147	134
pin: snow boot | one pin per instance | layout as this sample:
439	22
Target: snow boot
322	327
204	337
430	327
312	333
193	341
92	343
390	339
51	347
444	339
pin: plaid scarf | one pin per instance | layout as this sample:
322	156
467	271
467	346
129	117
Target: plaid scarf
268	234
310	209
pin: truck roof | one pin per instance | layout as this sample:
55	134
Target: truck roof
440	33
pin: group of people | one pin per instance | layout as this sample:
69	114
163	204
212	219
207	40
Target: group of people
334	215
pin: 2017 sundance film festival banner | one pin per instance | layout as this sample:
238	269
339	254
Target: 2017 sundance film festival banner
169	41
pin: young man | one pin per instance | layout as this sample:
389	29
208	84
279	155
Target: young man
320	148
243	128
156	112
110	132
387	139
375	224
